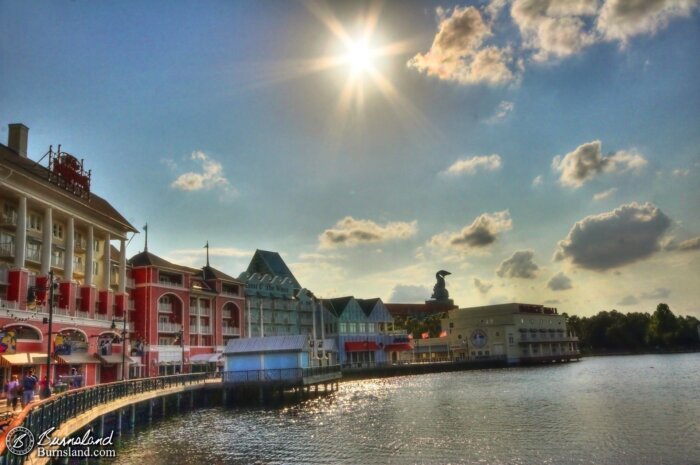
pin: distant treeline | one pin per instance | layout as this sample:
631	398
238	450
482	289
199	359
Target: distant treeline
636	332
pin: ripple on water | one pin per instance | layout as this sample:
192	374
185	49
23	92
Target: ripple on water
612	410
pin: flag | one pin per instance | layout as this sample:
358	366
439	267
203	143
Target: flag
443	333
145	227
425	335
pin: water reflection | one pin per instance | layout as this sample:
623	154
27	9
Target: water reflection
612	410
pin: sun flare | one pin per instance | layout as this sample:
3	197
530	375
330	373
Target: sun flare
360	56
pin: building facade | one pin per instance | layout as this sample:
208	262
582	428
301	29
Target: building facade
182	316
364	331
52	225
518	333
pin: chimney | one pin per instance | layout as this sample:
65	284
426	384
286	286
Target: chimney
17	138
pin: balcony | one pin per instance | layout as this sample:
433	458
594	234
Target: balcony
164	327
7	249
165	308
8	220
169	283
57	262
130	283
231	331
204	330
33	256
79	268
79	245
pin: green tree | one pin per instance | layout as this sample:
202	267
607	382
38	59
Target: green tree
662	326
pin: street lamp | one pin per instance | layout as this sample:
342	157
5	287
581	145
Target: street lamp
31	298
114	327
181	337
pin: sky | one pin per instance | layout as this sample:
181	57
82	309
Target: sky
541	151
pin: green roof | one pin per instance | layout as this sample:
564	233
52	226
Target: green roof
266	262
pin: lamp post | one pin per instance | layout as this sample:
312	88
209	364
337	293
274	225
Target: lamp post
181	336
113	327
31	298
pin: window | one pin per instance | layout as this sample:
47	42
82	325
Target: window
96	246
34	222
9	214
57	257
370	328
352	327
33	251
343	328
58	231
361	327
95	268
7	244
510	339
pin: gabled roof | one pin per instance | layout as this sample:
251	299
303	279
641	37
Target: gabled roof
98	206
212	273
266	262
149	259
337	306
297	342
368	305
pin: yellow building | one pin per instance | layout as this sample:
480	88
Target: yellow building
518	333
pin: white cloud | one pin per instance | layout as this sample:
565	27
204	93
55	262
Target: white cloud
622	19
481	233
554	28
407	293
587	160
519	265
681	173
210	176
505	109
605	194
609	240
458	53
196	257
559	282
690	244
350	232
483	286
473	164
537	181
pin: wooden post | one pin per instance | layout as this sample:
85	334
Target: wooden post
150	410
119	422
132	420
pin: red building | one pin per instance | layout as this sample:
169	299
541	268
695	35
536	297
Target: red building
182	314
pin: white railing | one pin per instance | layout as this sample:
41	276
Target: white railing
81	314
231	331
102	316
57	262
34	256
130	282
165	308
9	219
168	283
229	294
204	330
169	327
7	249
9	304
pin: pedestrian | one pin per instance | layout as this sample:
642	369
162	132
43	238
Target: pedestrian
13	392
44	388
29	383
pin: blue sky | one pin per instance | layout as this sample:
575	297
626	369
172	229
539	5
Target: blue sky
541	151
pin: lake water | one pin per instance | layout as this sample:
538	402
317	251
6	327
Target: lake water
604	410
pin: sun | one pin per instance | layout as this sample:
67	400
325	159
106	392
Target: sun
360	56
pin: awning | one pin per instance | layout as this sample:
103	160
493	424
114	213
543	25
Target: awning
205	358
361	346
113	359
22	359
398	347
77	359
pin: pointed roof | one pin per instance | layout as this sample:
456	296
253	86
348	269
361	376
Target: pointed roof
149	259
368	305
212	273
266	262
338	305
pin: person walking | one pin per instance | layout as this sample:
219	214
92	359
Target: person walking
13	392
29	383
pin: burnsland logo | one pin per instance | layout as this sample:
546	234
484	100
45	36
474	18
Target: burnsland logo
19	441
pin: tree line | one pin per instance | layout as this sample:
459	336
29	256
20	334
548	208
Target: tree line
636	332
